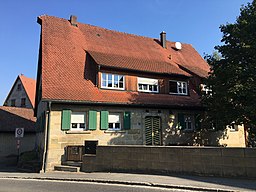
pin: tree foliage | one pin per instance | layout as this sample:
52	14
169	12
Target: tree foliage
233	74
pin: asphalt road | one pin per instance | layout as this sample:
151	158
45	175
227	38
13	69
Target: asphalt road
14	185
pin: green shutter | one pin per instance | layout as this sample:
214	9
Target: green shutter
66	120
127	120
181	121
197	121
104	120
92	120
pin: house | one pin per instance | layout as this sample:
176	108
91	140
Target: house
10	119
113	88
22	93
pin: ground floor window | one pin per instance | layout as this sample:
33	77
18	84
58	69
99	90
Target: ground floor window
78	121
114	122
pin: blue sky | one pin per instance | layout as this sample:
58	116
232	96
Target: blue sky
190	21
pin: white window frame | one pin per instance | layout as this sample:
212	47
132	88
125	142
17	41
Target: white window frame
112	81
189	119
183	85
148	82
113	119
78	122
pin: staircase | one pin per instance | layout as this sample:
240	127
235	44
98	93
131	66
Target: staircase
69	166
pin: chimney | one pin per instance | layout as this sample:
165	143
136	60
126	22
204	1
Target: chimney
73	20
163	39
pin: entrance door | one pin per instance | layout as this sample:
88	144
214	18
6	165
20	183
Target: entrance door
153	130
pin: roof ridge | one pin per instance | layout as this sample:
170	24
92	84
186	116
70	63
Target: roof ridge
110	30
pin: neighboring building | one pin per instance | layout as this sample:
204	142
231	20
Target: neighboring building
115	88
22	93
10	119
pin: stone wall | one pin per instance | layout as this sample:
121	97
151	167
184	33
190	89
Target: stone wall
211	161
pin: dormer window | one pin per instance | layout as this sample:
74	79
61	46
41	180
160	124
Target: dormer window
112	81
178	87
148	85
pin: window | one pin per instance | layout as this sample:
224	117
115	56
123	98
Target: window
114	122
19	87
178	87
147	85
112	81
78	121
189	125
13	103
23	102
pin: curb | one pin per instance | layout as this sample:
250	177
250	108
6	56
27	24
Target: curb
131	183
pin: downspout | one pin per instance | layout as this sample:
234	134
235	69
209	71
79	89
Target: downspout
46	141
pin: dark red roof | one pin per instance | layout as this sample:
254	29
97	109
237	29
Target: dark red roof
64	49
15	117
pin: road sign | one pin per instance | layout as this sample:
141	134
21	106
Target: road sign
19	132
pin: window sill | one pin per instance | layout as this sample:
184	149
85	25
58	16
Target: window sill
114	131
78	132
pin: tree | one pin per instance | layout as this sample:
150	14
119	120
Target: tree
233	75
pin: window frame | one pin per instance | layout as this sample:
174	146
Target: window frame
192	121
13	102
85	121
177	87
148	85
120	121
19	87
112	81
21	102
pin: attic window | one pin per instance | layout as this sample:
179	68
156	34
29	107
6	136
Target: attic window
147	85
19	87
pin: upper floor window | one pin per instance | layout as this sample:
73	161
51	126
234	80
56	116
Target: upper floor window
13	103
23	102
178	87
78	121
148	85
19	87
112	81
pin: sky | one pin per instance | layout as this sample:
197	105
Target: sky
188	21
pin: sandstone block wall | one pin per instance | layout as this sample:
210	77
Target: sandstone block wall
210	161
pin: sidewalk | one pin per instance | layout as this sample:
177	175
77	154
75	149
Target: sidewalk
175	181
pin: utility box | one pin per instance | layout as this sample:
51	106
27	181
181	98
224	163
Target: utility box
75	153
90	146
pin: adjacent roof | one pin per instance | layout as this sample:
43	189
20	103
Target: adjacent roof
15	117
29	85
64	50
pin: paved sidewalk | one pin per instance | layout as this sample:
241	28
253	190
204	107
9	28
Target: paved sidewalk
176	181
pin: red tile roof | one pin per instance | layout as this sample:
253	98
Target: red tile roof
14	117
30	88
64	49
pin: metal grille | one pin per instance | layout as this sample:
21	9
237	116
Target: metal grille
153	130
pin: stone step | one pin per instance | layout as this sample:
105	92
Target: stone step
66	168
72	163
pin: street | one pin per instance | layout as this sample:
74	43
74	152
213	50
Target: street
13	185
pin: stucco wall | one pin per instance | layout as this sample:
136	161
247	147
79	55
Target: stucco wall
231	162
